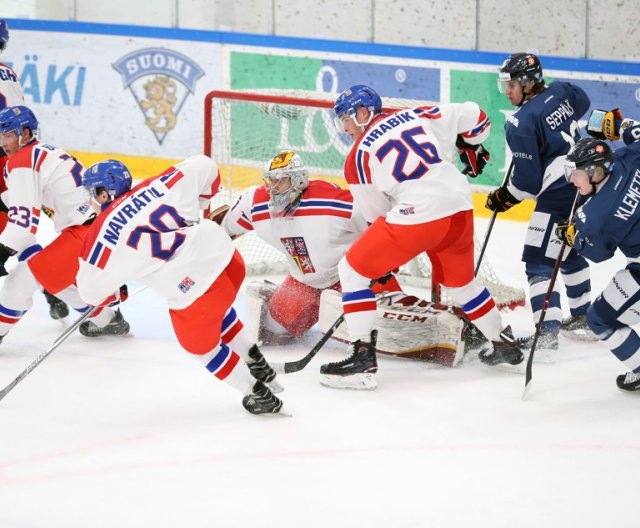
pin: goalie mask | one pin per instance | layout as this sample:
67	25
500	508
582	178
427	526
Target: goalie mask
286	178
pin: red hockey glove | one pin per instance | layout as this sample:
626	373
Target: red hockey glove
120	296
501	200
473	157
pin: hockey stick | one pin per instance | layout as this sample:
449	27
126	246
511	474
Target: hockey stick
296	366
61	339
545	306
494	215
48	351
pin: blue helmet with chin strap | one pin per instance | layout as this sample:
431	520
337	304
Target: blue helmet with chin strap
110	175
16	119
4	34
352	98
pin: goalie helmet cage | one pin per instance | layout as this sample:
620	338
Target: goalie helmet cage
244	129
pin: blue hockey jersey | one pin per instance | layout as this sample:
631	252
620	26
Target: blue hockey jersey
609	219
540	131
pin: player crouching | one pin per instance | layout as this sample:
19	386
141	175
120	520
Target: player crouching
154	234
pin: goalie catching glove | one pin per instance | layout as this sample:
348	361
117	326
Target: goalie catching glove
566	231
473	157
501	200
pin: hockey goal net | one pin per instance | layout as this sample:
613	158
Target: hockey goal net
244	129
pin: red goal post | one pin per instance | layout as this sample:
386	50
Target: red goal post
243	129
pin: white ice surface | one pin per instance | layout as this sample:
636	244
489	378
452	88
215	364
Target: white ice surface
132	432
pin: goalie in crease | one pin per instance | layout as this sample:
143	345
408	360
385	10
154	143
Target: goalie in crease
312	223
402	174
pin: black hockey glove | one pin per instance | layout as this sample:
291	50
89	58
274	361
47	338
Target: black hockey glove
630	132
5	253
566	231
501	200
473	157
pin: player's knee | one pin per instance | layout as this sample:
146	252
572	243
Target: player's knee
350	279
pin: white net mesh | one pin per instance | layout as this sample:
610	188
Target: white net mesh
245	129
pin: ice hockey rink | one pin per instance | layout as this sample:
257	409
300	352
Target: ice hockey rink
132	432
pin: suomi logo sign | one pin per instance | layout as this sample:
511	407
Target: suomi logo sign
160	81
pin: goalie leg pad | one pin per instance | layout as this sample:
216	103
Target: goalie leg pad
261	326
407	327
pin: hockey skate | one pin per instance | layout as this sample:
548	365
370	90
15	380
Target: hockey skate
473	338
576	327
546	347
57	308
507	350
117	326
629	382
356	371
261	370
262	401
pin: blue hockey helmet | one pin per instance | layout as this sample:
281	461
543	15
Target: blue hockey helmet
4	34
110	175
16	119
352	98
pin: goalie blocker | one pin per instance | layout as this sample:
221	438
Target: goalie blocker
407	327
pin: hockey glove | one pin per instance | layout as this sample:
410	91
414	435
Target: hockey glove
473	157
605	124
120	296
566	231
218	214
5	253
501	200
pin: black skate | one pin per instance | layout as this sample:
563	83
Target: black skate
576	327
117	326
473	338
262	401
507	350
261	370
629	382
546	347
356	371
57	308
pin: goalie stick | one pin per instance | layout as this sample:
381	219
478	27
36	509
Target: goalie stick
296	366
545	306
59	340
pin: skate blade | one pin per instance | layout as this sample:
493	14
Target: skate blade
352	382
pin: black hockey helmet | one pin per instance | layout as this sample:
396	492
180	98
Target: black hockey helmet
587	154
522	66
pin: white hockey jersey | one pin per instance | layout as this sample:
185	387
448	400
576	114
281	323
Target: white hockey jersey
313	239
155	234
403	166
42	178
10	90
